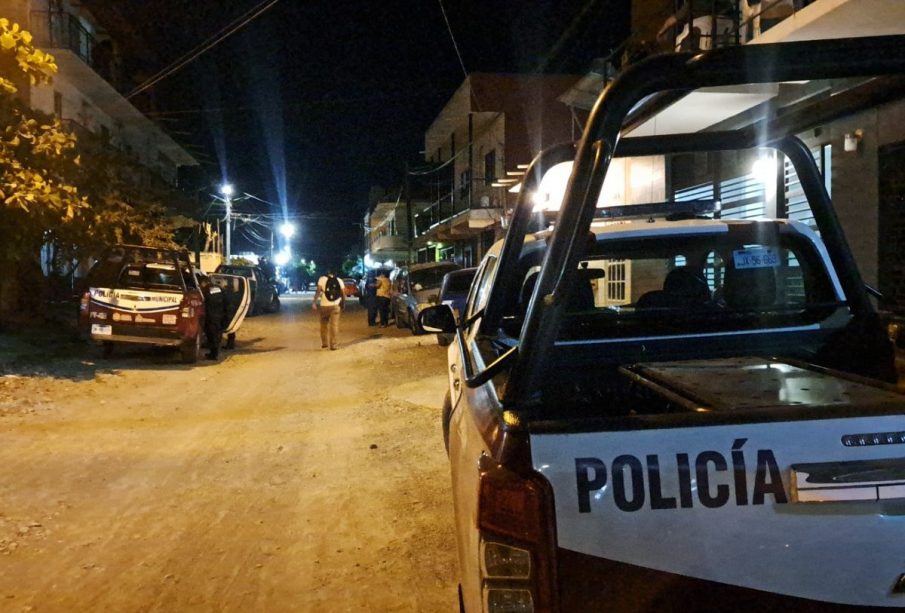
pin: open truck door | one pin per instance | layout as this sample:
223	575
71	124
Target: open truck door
237	295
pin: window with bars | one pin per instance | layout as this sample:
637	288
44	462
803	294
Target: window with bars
616	283
797	206
798	209
741	197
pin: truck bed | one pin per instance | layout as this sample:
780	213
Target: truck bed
705	392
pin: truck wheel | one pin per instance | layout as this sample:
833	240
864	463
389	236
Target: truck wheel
446	417
443	340
398	319
107	349
191	350
274	306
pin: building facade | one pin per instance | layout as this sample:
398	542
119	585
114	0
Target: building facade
387	228
491	126
88	93
859	155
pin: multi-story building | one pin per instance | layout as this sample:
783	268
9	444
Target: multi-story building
860	154
388	229
491	126
88	90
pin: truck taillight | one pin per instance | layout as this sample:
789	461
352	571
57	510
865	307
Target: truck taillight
84	301
185	309
518	549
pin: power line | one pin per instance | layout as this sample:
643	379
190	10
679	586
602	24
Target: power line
211	42
474	96
309	104
453	38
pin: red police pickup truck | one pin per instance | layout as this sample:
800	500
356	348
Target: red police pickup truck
152	296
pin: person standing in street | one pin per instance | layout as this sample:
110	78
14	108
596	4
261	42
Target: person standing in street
371	296
382	292
330	299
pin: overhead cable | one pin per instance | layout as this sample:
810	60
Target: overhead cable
452	37
211	42
458	54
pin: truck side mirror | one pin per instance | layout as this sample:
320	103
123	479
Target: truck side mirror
438	318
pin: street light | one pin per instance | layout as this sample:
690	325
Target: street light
287	230
227	190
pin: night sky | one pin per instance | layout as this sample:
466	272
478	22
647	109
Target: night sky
315	101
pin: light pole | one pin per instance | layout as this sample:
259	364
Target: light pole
227	190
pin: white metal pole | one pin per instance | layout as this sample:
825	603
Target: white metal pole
229	210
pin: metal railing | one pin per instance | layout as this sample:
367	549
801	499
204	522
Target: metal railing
708	25
61	30
446	207
439	211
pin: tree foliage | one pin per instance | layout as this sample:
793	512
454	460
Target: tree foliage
74	192
35	153
32	63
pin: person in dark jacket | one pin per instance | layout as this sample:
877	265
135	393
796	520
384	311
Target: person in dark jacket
371	296
214	316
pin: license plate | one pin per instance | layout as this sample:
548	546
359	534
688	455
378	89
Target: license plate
101	330
756	258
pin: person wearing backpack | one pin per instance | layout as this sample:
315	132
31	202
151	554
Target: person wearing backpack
330	299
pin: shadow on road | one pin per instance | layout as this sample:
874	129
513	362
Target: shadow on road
58	353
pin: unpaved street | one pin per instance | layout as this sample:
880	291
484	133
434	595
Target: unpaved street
284	478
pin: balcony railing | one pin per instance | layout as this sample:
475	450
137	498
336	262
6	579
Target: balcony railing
444	209
61	30
441	210
708	24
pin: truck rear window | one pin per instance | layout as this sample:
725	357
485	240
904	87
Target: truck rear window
150	276
748	278
109	270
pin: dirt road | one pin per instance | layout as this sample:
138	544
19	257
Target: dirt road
283	478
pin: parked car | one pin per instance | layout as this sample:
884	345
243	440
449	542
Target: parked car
415	288
454	292
350	288
653	407
143	295
265	297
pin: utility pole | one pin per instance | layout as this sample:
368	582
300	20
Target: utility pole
229	227
410	220
227	190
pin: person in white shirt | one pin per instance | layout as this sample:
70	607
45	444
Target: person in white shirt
330	299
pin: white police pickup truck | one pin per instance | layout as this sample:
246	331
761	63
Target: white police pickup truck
657	407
